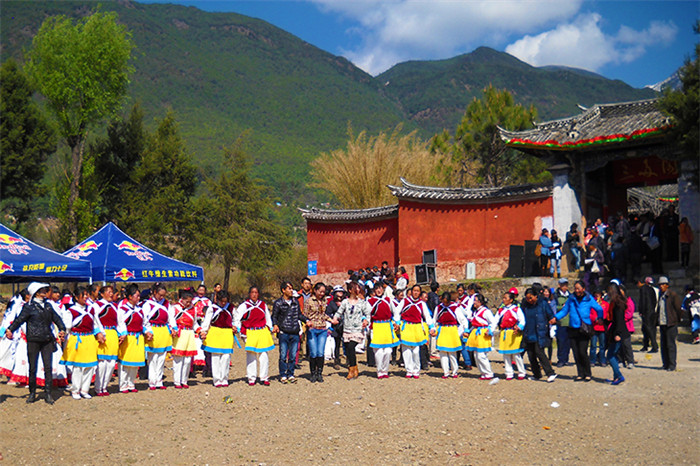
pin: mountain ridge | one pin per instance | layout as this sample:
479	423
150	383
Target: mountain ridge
224	74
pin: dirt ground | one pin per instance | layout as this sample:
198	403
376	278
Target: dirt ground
652	418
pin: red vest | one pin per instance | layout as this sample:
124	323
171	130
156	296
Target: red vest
160	316
255	316
381	309
447	315
134	323
84	325
106	313
412	311
184	318
222	317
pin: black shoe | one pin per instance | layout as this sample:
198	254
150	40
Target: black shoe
49	398
654	350
31	398
313	378
644	349
319	369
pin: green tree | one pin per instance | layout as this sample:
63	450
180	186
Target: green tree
87	205
684	104
231	222
155	206
115	156
26	140
476	155
83	71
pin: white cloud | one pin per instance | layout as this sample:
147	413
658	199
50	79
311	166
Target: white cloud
583	44
397	30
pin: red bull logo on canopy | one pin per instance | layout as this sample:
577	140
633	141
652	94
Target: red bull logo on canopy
124	275
16	246
5	268
133	249
84	249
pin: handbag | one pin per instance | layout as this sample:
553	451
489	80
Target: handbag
586	329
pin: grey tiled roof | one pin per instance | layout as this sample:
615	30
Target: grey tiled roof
601	124
468	195
329	215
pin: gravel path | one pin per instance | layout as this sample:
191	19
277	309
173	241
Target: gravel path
652	418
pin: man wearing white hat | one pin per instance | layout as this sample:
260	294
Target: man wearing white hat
38	314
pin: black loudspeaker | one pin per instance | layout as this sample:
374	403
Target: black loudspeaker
515	261
531	262
421	274
430	257
432	277
425	274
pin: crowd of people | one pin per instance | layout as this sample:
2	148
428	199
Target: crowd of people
618	247
70	339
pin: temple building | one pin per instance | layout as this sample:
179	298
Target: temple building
597	155
594	158
462	225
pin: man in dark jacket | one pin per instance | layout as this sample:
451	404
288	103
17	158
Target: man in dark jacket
537	313
286	315
647	310
38	314
669	309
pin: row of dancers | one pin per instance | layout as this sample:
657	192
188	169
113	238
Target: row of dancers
133	332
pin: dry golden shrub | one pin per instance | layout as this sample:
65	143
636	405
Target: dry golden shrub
357	176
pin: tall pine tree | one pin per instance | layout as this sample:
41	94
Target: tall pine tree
231	222
26	140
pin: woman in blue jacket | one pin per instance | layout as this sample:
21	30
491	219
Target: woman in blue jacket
536	333
578	307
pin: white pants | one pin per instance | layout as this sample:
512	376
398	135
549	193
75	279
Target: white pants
382	358
219	368
156	363
105	369
127	376
252	359
482	361
411	359
508	363
81	379
448	359
181	369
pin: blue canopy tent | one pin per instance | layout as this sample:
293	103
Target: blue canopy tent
117	257
24	261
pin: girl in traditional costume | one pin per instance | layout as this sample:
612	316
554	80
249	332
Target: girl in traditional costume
217	337
451	325
383	328
510	321
479	341
253	320
81	348
132	353
107	353
156	310
416	324
185	341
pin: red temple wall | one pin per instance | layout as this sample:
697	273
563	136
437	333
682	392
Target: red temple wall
339	247
479	233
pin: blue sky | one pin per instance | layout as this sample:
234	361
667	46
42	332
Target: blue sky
639	42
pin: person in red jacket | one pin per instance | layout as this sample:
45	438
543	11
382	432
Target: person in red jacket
597	351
